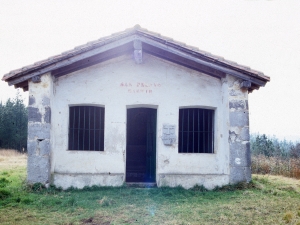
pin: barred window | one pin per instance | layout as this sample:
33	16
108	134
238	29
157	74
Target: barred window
86	128
196	130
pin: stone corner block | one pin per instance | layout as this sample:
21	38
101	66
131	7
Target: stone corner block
240	155
245	135
38	170
47	115
240	174
237	104
239	118
39	131
46	101
34	115
31	100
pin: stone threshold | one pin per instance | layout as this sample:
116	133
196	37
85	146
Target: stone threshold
141	184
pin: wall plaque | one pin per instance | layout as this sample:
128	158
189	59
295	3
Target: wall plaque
168	135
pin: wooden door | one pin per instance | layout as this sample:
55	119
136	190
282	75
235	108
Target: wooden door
141	145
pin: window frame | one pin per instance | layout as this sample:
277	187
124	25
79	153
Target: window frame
100	129
209	141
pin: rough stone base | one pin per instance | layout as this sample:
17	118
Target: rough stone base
188	181
38	171
81	180
240	174
38	162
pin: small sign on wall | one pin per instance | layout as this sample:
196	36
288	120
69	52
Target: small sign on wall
168	134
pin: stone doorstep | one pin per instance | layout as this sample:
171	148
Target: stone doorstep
141	184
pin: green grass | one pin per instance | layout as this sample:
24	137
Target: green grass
264	201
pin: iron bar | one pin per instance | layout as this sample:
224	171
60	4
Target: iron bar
89	128
83	147
94	128
198	132
188	133
73	141
100	129
78	148
203	134
193	131
208	129
182	130
213	131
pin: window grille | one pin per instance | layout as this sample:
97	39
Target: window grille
196	130
86	128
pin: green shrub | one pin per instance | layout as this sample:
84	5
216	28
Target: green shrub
4	193
26	201
4	182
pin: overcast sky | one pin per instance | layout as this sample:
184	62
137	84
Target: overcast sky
264	35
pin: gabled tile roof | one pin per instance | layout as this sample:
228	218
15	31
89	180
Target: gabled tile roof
196	52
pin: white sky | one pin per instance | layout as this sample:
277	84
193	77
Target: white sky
264	35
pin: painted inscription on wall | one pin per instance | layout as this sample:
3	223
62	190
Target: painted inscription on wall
140	87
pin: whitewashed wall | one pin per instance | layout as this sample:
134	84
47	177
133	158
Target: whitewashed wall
119	84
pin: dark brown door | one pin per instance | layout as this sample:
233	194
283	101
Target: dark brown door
141	145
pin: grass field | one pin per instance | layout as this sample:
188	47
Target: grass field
267	200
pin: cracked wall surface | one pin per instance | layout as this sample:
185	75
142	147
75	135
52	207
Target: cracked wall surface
39	126
240	158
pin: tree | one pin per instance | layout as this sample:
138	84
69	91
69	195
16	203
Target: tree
295	151
262	145
13	124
